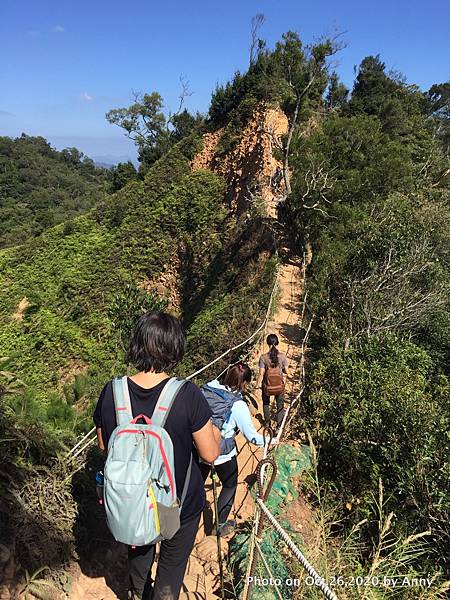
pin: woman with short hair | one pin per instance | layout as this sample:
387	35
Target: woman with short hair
157	345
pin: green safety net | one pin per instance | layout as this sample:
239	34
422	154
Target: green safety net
290	461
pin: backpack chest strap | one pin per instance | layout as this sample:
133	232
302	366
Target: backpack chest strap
159	417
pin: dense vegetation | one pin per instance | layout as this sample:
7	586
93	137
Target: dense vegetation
292	76
370	195
69	299
41	187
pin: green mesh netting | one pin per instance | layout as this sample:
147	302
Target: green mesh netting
290	463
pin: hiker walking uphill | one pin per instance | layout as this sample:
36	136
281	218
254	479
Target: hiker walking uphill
230	414
272	366
153	486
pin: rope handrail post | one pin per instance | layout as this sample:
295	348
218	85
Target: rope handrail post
256	532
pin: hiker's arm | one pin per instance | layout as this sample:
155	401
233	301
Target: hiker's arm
100	442
260	377
206	441
244	422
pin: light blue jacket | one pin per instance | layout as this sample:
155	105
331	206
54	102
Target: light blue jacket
239	418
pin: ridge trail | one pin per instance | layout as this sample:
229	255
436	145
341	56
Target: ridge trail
202	580
202	574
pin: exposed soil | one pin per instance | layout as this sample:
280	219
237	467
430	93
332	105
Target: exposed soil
21	308
251	169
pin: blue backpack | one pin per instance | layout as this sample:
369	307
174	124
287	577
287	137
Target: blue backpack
221	402
140	494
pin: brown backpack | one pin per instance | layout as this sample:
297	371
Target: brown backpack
273	381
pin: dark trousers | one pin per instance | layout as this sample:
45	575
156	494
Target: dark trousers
173	557
266	408
228	475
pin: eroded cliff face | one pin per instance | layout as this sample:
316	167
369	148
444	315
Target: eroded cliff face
251	170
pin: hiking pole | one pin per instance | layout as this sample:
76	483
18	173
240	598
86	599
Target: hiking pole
219	546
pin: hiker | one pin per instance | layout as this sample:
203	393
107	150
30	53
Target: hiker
230	414
272	366
157	345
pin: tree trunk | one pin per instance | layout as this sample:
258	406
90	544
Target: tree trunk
300	97
287	181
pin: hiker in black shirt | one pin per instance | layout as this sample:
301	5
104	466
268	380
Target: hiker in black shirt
157	345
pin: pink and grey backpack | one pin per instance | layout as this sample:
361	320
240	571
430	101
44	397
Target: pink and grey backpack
140	495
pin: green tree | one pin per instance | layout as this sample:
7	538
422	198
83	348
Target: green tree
144	122
305	78
122	174
337	93
154	132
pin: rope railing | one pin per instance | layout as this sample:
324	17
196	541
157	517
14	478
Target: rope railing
272	578
318	581
262	509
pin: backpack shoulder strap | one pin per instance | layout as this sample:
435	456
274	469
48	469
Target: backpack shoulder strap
186	483
122	402
165	400
159	417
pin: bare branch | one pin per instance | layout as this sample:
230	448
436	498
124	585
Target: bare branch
389	297
257	22
185	93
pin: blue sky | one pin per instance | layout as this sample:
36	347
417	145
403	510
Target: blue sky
65	63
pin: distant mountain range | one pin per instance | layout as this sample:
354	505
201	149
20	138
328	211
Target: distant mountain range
109	160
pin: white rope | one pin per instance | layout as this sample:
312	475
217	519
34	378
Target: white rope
294	402
280	432
252	551
318	581
83	448
273	579
81	441
90	441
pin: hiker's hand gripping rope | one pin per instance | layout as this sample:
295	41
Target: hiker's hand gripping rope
269	436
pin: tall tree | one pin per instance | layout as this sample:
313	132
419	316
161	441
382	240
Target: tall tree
337	93
122	174
144	122
305	75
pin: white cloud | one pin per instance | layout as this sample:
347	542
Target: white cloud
86	97
58	29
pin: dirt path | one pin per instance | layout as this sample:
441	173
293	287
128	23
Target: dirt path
202	576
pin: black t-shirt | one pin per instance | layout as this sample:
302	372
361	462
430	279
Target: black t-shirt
189	413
